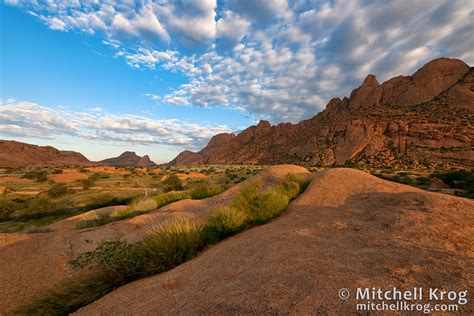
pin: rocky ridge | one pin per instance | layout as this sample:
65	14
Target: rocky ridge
423	120
15	154
128	159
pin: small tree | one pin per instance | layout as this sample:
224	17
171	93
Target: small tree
172	183
87	183
57	190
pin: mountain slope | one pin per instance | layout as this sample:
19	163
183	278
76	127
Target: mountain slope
128	159
16	154
424	119
348	229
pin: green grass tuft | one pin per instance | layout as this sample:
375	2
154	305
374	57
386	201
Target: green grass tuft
167	246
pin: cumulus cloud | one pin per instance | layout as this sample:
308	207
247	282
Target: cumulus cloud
274	59
231	28
28	119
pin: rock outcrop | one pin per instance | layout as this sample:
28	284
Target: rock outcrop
419	120
347	230
15	154
128	159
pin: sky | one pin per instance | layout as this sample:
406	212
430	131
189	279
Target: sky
158	77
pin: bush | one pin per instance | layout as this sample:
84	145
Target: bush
87	183
142	205
267	206
57	171
169	197
451	176
252	206
172	183
167	246
7	208
37	175
39	205
93	219
37	229
203	190
57	190
121	214
224	222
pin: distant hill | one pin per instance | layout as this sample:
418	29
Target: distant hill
15	154
128	159
423	119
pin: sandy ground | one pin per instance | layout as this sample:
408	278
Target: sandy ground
191	175
348	230
28	192
13	179
68	175
31	264
106	169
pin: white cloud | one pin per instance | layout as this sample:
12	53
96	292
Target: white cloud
272	59
232	27
28	119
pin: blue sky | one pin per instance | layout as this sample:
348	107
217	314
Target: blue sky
158	77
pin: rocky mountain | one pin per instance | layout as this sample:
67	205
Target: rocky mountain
15	154
128	159
408	121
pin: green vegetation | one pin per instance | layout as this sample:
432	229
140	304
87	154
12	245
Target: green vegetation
42	202
460	182
57	190
37	175
115	263
93	219
172	183
252	206
140	206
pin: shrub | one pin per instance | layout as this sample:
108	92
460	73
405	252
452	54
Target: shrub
7	208
37	229
203	190
37	175
169	197
143	205
121	214
223	223
167	246
57	190
172	183
453	175
39	205
87	183
93	219
114	258
267	206
57	171
252	206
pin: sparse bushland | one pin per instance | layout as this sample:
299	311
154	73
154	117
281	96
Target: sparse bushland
463	180
141	206
115	263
